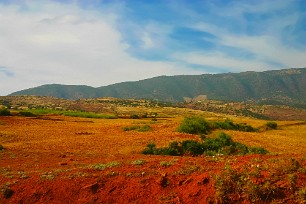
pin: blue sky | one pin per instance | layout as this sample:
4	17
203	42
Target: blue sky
102	42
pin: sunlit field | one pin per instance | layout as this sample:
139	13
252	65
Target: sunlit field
47	150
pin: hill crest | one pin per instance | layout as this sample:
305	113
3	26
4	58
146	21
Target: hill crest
286	86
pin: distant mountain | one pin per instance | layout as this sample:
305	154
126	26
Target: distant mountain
287	86
60	91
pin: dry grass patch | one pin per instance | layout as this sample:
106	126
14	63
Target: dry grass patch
287	139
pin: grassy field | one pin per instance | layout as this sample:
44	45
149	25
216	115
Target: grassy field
86	158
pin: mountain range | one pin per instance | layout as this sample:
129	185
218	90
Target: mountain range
286	86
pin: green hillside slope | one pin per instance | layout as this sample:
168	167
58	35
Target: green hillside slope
286	86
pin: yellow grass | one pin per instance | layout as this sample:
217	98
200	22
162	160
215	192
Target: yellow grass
286	139
106	138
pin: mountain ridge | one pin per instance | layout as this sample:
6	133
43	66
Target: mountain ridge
275	86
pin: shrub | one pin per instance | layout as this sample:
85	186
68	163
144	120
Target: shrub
1	147
198	125
230	125
134	116
144	128
241	149
232	185
138	162
272	125
6	190
27	114
174	149
149	149
223	144
166	163
225	125
192	147
302	194
226	185
103	166
194	125
138	128
134	127
257	150
5	112
248	185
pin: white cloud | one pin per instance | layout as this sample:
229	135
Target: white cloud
147	41
267	48
48	42
221	60
61	43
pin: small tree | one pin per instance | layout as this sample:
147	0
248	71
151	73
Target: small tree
272	125
194	125
5	112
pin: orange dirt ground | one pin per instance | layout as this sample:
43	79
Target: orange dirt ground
57	159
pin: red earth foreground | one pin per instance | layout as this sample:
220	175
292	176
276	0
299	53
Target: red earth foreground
58	159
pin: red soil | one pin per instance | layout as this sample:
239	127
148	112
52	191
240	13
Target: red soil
51	160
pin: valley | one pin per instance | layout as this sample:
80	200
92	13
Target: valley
52	157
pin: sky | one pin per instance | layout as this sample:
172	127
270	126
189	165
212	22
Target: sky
102	42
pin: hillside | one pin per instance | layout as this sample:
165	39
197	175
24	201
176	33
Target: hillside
286	86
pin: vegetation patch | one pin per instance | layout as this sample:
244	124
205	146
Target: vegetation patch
5	112
101	167
139	128
166	163
6	190
223	145
138	162
188	169
195	125
1	147
23	175
47	175
271	125
230	125
253	185
82	114
198	125
27	114
135	116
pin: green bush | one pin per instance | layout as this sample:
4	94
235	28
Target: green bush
134	116
144	128
272	125
151	147
5	112
27	114
134	127
257	150
230	125
194	125
223	144
192	147
198	125
225	125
